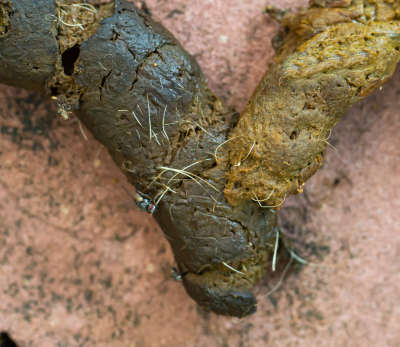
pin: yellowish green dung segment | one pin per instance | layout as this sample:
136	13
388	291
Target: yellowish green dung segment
331	58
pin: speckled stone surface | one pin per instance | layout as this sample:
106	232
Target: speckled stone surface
80	266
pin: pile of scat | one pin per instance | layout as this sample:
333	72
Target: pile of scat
213	179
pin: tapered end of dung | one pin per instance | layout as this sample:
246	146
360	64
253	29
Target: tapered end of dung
216	297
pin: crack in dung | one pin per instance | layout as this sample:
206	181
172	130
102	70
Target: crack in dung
144	60
103	83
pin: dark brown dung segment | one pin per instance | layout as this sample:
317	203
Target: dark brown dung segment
28	45
146	100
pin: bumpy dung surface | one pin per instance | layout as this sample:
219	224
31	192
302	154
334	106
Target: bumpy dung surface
331	58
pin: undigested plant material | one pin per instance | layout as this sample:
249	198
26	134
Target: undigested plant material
212	180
